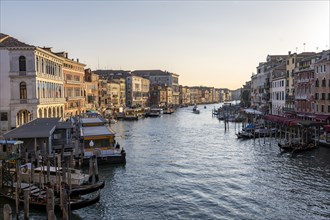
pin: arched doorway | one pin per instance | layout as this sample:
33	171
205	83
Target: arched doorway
22	117
45	113
40	113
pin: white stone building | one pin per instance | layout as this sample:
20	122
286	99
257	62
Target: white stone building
31	83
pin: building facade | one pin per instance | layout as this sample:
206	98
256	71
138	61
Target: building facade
322	83
31	83
74	86
91	90
137	91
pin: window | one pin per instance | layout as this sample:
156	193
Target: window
328	96
316	96
22	90
22	63
37	64
322	108
292	60
3	116
323	96
323	83
317	83
328	108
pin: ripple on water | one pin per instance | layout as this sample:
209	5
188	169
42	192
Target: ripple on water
185	166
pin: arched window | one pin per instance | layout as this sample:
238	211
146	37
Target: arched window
22	63
22	90
317	83
323	82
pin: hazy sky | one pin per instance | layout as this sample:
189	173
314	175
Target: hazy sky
210	43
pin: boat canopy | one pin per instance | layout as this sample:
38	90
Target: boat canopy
252	111
92	121
96	132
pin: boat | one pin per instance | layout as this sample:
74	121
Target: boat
295	147
131	115
154	112
196	110
245	135
39	199
100	141
39	175
86	189
168	110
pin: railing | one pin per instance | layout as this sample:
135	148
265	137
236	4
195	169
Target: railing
72	82
301	97
52	100
290	97
74	98
302	80
287	109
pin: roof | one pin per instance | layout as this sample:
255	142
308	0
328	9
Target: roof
86	121
7	41
38	128
96	131
64	125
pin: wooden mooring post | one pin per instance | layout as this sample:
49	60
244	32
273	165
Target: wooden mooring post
7	212
50	204
26	204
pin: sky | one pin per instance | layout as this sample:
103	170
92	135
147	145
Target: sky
208	43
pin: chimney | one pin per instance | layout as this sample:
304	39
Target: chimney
289	52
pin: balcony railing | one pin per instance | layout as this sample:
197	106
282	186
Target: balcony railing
302	80
52	100
68	81
301	97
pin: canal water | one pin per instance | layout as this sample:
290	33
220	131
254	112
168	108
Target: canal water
186	166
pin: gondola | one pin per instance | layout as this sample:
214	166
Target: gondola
40	202
86	189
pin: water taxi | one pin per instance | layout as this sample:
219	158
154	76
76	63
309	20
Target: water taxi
100	141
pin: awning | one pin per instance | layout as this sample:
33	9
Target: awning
322	117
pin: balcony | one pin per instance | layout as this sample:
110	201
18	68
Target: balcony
73	82
52	100
288	110
290	97
71	98
301	97
302	80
